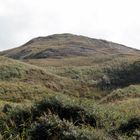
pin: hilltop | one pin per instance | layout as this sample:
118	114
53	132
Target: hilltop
67	45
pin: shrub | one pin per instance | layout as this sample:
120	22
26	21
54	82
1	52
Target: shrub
120	75
132	91
51	127
130	127
65	109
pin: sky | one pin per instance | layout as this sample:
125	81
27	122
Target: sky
113	20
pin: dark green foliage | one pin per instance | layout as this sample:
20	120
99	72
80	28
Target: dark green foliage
73	113
15	123
132	91
61	121
120	75
6	108
20	116
65	117
130	127
53	128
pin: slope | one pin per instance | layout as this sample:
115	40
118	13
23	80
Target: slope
106	73
18	79
67	45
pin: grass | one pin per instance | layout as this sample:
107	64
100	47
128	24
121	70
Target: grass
132	91
16	71
20	91
65	115
67	45
46	100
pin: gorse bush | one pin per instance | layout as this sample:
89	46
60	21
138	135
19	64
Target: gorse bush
19	120
65	117
132	91
14	124
66	108
75	113
130	127
52	127
120	75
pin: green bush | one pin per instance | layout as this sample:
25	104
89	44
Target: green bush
132	91
52	127
130	126
63	117
120	75
62	106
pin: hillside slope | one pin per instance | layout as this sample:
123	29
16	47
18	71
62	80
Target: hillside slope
18	79
70	87
67	45
78	62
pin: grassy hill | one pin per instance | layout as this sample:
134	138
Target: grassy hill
67	45
70	87
18	78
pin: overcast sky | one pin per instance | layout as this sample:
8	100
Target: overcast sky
114	20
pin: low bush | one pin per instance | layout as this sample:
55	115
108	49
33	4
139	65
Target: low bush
130	127
132	91
120	75
60	116
53	128
65	109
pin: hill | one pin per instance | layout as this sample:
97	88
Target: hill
19	81
67	45
77	62
71	87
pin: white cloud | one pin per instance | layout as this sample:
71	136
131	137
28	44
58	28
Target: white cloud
115	20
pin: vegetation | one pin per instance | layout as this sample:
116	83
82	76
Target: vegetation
121	75
65	117
71	88
67	45
132	91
